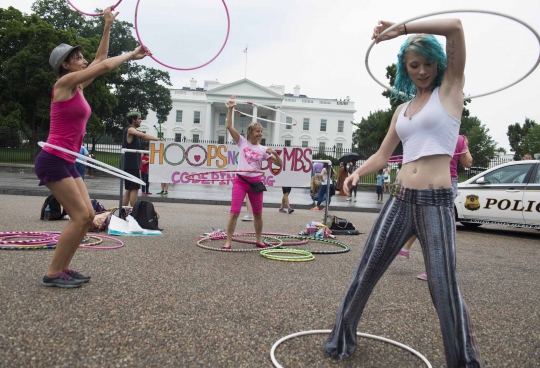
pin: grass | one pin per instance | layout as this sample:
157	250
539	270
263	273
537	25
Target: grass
23	156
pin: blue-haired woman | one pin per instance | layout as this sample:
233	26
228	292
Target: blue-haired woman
421	200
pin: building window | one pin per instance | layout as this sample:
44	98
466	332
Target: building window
288	120
178	116
242	122
304	143
340	125
195	138
177	137
263	141
322	147
339	148
323	125
306	123
264	123
287	142
197	117
221	139
222	117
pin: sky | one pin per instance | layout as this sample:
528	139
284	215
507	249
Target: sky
321	46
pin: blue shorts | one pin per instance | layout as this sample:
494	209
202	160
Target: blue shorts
50	168
379	189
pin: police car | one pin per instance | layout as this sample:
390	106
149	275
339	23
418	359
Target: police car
508	194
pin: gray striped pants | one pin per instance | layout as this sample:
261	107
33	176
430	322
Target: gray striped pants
428	214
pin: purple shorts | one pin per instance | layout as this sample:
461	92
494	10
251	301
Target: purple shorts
50	168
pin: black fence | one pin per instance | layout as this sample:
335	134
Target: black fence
20	148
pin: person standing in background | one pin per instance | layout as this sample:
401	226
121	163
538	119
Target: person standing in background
145	168
81	168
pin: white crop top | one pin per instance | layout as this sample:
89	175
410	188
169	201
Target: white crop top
432	131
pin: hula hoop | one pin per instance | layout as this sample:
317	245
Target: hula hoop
177	68
345	247
280	235
270	246
266	107
41	237
304	255
28	247
93	14
91	245
101	237
116	172
375	337
457	11
191	176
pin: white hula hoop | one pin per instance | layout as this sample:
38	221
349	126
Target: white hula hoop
266	107
458	11
375	337
116	172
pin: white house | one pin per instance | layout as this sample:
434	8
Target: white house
199	114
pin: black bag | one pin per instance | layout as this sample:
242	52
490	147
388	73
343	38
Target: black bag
255	187
145	215
337	223
345	232
56	210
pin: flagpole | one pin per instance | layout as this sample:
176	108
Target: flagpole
245	70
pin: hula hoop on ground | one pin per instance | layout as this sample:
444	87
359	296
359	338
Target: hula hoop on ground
289	244
266	107
456	11
101	237
178	68
270	246
92	14
191	176
304	255
41	238
375	337
28	247
345	247
116	172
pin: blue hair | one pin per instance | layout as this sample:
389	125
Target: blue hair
427	46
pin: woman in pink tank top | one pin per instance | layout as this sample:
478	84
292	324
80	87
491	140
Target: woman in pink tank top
55	169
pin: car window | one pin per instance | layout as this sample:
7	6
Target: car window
537	178
508	175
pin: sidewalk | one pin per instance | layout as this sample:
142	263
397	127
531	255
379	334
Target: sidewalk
22	181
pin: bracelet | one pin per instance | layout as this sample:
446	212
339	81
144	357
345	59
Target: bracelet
405	28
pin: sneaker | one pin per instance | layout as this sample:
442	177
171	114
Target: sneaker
354	199
282	210
315	208
78	276
259	245
61	279
348	199
164	193
160	193
148	193
247	218
290	210
422	276
404	253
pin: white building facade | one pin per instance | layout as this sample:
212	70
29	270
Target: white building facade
199	114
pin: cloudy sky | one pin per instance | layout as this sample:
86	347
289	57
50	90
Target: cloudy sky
321	46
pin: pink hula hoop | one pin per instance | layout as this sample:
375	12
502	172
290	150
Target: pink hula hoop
92	14
191	176
120	245
176	68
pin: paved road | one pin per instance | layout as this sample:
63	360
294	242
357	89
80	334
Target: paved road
164	302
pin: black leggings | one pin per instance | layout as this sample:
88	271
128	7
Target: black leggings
428	214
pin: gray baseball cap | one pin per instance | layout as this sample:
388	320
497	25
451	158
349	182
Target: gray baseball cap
59	54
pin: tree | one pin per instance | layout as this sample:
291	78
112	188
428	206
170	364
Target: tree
531	142
517	134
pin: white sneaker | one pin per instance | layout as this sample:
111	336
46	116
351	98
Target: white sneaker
247	218
348	199
355	199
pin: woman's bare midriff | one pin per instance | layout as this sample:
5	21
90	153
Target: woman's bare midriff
429	172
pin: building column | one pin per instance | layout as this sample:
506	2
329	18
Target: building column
254	113
276	127
208	126
228	137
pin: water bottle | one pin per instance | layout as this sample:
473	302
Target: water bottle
47	213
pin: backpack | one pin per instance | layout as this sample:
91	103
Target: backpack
56	210
98	207
145	214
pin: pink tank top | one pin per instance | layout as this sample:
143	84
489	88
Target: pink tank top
68	124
